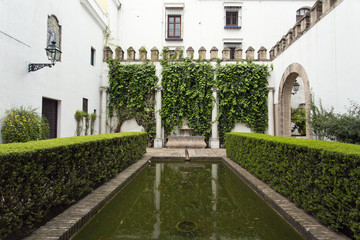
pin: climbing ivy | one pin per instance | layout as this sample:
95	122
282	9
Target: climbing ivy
187	93
132	93
242	96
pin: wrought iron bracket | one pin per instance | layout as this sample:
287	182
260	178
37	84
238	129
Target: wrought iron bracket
36	66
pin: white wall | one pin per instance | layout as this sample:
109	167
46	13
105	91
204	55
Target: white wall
142	23
23	33
329	53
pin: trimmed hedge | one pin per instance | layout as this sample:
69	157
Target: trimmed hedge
38	177
319	176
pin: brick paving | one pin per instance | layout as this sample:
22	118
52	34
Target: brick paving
66	224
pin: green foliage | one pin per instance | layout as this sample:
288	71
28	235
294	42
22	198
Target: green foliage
23	125
187	93
298	117
321	177
242	96
132	93
40	176
92	123
334	126
79	117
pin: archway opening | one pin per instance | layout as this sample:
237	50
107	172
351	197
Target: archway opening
297	104
289	100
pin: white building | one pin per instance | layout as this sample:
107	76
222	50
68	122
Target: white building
205	23
326	48
74	82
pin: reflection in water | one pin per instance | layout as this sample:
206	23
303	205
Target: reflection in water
206	193
214	182
157	200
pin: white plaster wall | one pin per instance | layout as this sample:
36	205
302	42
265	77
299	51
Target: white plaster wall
142	23
131	126
241	127
23	33
329	53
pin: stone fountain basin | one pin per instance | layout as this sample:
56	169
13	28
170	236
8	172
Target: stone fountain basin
186	141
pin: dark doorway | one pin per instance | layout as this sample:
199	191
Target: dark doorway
50	111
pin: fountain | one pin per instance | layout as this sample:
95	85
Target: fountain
186	140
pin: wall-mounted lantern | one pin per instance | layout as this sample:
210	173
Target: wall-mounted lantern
295	87
53	53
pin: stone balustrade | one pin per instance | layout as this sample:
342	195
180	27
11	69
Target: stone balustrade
319	9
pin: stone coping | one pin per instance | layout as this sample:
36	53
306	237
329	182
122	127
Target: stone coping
66	224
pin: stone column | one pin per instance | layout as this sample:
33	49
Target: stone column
214	141
271	129
158	142
103	114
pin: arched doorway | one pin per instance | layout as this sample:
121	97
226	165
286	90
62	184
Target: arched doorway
292	72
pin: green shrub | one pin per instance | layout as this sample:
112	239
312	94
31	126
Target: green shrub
299	119
23	125
321	177
334	126
40	176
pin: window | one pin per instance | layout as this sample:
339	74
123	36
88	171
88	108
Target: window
174	20
231	18
174	26
92	56
232	15
301	13
85	105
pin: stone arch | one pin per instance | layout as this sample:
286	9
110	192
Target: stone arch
287	81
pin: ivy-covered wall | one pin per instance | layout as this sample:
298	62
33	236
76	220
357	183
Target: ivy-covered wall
242	96
132	93
187	93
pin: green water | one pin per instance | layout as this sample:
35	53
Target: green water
207	193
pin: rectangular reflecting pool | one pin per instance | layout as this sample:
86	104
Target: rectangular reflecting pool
187	200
